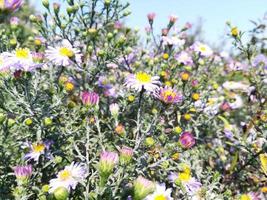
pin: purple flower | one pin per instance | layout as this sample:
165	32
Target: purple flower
14	21
11	5
259	60
187	140
169	95
23	172
89	98
184	58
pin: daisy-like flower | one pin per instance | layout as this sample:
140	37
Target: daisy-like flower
20	59
202	49
172	41
187	140
69	177
161	193
64	55
4	65
36	150
11	5
232	85
237	103
184	58
184	179
169	95
142	80
89	98
250	196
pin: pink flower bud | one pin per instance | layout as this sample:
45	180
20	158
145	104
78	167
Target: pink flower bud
187	140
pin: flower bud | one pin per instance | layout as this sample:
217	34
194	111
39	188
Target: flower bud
45	3
142	187
114	109
126	154
61	193
187	140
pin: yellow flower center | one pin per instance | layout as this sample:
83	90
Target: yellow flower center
184	176
64	51
160	197
245	197
23	53
64	175
143	77
203	48
37	148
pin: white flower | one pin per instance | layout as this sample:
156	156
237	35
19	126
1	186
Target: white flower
174	40
20	59
142	80
238	103
202	49
160	193
69	177
4	65
36	150
232	85
114	109
64	55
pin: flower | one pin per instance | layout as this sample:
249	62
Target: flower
114	109
4	63
232	85
89	98
142	187
23	172
142	80
20	59
250	196
263	160
36	150
107	162
185	180
69	177
169	95
151	17
10	5
202	49
184	58
238	102
260	59
173	19
126	154
187	140
64	55
161	193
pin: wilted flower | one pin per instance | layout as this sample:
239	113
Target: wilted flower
64	55
142	80
160	193
10	5
89	98
187	140
142	187
169	95
173	19
69	177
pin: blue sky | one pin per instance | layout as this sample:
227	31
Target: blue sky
214	13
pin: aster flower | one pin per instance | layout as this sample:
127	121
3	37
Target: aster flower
184	58
142	80
260	59
172	41
185	180
187	140
107	162
238	102
160	193
232	85
36	150
114	109
21	59
64	54
142	187
89	98
23	172
169	95
69	177
4	63
126	154
202	49
10	5
250	196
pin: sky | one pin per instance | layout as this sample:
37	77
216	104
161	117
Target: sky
214	14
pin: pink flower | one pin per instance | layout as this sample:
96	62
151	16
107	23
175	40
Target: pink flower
187	140
173	19
23	172
151	17
89	98
169	95
11	5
